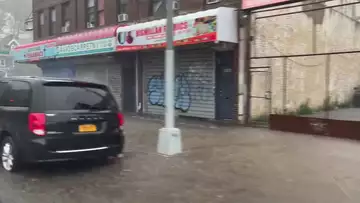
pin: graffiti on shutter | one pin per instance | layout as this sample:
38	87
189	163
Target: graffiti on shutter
194	83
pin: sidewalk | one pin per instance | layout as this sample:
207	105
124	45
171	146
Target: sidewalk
237	164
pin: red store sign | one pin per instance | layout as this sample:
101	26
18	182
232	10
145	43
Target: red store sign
95	34
251	4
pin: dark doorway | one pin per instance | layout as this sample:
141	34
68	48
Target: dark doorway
129	88
225	85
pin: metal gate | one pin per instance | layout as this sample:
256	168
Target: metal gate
260	97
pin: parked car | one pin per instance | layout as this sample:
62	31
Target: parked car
47	119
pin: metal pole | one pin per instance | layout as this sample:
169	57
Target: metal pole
248	79
327	86
284	81
169	67
169	141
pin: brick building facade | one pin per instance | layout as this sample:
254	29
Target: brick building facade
137	11
121	43
213	76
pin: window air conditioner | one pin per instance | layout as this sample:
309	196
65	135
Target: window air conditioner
90	25
123	17
176	5
212	1
65	29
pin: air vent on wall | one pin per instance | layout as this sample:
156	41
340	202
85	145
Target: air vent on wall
90	25
66	27
223	46
123	17
212	1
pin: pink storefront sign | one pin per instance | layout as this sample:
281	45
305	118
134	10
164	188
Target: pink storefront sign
251	4
90	35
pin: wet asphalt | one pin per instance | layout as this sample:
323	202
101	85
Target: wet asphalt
219	164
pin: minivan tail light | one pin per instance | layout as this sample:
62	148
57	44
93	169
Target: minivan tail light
37	122
121	119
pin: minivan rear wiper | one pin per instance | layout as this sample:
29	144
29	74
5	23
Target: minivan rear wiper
104	99
82	106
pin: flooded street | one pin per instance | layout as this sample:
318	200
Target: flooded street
219	164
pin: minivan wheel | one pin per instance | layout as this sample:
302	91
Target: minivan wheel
8	155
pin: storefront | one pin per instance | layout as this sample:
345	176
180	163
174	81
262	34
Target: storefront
85	56
35	52
130	60
91	55
198	37
76	49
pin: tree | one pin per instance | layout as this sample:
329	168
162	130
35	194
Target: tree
14	13
2	20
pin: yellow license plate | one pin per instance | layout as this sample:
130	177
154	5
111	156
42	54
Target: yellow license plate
87	128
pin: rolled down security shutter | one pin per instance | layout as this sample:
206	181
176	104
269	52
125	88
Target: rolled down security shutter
194	83
115	82
92	73
103	70
153	66
107	74
61	68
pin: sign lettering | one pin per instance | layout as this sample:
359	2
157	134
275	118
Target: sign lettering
192	31
85	48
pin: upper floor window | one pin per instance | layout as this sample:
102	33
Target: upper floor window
2	63
91	14
122	6
65	14
122	15
155	6
41	22
101	13
52	21
42	18
95	15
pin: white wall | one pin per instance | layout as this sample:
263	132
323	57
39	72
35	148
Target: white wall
329	30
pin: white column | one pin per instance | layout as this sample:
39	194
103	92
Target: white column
169	140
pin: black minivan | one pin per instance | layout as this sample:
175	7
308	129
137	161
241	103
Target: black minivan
50	119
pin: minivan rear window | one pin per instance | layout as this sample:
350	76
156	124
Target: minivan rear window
78	96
